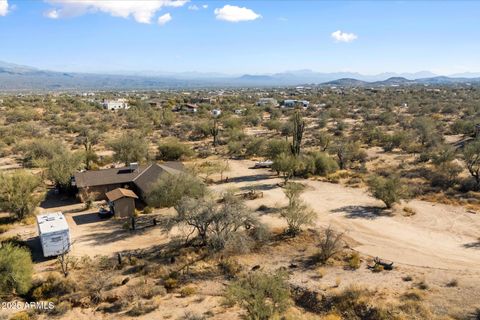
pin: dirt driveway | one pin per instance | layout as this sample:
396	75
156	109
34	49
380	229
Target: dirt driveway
437	236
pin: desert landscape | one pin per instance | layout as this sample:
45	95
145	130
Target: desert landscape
363	223
251	160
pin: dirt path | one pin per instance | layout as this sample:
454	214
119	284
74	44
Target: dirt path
437	236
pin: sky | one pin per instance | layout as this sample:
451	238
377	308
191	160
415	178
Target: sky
239	37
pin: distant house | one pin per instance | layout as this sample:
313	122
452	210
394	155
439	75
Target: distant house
189	107
139	179
115	104
295	103
216	112
267	102
122	202
156	103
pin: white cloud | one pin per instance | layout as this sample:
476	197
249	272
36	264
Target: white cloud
341	36
205	6
193	7
164	19
52	14
3	7
235	14
142	11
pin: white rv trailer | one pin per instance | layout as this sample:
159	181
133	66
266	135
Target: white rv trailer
53	233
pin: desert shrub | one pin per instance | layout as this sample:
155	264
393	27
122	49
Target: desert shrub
16	270
452	283
55	286
297	214
275	147
324	164
285	164
445	175
255	147
38	151
413	295
60	309
170	284
348	152
354	261
142	307
170	188
22	315
261	295
193	316
408	211
188	291
230	267
172	149
20	193
389	190
423	285
356	303
330	244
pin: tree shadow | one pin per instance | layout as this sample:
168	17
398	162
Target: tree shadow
54	199
362	212
472	245
261	187
251	178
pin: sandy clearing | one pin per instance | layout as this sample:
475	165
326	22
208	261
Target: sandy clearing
438	236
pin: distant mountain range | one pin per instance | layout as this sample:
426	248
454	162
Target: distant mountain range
15	77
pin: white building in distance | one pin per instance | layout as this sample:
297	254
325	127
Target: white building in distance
115	104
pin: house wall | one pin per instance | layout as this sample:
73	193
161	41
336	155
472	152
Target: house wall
97	192
124	207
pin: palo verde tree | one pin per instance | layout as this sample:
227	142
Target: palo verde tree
16	270
298	129
20	193
296	213
130	148
387	189
262	295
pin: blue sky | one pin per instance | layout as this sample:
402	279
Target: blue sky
242	36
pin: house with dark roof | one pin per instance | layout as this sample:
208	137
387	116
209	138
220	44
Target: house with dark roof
96	184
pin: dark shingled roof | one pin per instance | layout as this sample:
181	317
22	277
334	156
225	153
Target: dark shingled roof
145	181
107	176
143	176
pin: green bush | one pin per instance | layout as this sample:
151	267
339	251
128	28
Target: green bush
170	188
262	295
171	149
16	270
389	190
324	164
20	193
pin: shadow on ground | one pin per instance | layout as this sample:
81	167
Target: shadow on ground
87	218
362	212
260	187
250	178
473	245
54	199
